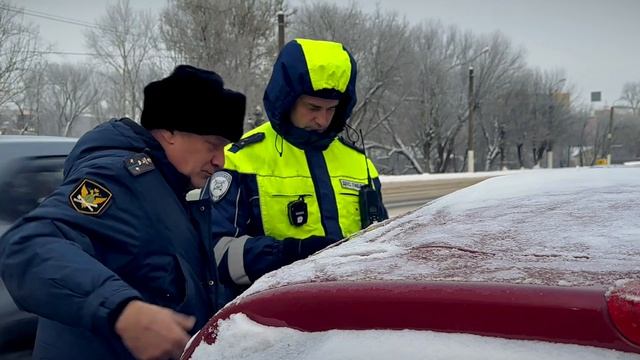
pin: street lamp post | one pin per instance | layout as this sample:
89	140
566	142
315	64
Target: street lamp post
472	106
280	29
552	88
610	135
473	58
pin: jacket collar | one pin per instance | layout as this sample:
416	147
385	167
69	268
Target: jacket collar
179	183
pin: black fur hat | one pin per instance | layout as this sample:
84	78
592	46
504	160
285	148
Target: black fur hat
194	100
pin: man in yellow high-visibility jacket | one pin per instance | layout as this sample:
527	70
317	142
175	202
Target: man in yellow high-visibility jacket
291	186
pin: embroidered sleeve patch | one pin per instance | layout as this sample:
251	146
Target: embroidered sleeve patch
89	198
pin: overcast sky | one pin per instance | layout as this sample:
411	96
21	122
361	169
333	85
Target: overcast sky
595	41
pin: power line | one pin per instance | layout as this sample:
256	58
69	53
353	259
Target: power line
51	17
65	53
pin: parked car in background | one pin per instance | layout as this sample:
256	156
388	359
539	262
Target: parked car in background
30	169
542	265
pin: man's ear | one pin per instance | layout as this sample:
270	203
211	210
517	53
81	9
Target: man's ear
166	136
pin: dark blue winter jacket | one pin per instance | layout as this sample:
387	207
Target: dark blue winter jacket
118	228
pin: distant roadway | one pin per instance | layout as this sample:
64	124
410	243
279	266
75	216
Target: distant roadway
402	196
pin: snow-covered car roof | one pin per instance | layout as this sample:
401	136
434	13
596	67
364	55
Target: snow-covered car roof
569	227
538	264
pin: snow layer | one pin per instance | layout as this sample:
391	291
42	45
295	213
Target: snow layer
240	338
570	227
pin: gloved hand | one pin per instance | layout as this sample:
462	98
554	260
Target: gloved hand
296	249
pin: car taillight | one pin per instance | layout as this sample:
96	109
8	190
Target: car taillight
623	301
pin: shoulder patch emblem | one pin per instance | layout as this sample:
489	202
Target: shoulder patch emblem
90	198
219	185
139	164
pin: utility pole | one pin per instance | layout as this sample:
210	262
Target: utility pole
472	108
550	144
280	29
554	89
610	135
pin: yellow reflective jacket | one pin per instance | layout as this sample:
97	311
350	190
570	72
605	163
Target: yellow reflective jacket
287	192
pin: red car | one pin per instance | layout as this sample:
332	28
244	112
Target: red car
540	265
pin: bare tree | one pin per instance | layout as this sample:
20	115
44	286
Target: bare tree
29	100
626	145
441	110
19	42
347	24
125	42
497	87
444	55
413	93
69	91
236	38
631	94
381	44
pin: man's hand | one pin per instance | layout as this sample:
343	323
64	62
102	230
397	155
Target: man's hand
296	249
152	332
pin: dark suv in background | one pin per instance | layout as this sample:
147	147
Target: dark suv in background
30	169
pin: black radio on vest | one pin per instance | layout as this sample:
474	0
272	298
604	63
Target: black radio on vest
298	213
368	197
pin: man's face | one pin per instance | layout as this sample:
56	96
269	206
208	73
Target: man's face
196	156
313	113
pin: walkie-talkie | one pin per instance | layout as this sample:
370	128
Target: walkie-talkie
368	197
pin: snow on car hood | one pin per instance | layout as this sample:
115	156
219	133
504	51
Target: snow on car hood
569	227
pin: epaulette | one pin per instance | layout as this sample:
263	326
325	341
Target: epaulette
350	144
139	164
251	139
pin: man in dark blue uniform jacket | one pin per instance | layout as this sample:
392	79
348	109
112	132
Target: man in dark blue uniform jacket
114	261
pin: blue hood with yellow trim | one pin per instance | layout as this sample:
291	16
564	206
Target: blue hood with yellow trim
316	68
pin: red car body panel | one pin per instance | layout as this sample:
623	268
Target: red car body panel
555	314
